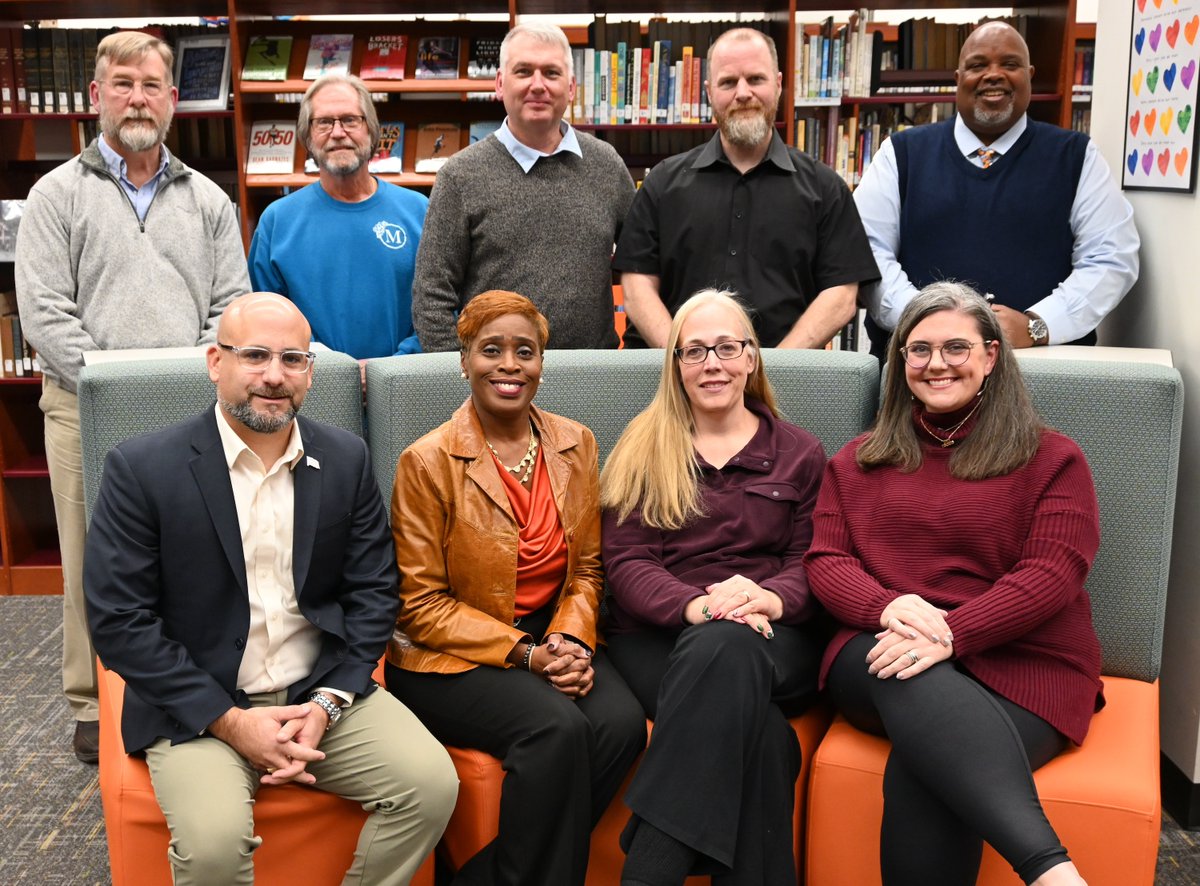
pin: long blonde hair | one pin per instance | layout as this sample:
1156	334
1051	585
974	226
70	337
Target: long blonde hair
653	466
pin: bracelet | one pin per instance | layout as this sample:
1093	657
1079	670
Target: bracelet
527	661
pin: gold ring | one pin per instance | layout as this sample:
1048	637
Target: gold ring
270	771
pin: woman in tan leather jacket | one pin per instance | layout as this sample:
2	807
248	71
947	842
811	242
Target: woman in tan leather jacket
497	527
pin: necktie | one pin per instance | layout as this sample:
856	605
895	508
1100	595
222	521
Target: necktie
987	156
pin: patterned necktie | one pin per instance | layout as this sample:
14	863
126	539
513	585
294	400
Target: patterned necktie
987	156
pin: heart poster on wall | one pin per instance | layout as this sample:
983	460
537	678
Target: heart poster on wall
1161	106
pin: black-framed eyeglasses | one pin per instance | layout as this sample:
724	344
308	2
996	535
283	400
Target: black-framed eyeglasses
257	359
124	86
725	350
350	123
954	353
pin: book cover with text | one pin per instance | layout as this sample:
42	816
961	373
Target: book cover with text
328	53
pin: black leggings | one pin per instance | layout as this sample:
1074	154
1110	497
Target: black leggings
960	771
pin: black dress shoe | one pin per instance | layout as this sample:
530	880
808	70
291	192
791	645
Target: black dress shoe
87	741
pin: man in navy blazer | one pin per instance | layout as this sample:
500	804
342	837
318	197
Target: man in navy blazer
240	577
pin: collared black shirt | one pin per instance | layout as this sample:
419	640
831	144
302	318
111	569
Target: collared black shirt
777	236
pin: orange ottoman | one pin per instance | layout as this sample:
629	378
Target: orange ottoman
1102	799
475	821
291	819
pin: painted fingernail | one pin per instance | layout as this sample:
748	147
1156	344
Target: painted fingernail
705	610
770	635
758	628
707	616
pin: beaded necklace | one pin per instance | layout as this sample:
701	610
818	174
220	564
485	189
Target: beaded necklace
526	463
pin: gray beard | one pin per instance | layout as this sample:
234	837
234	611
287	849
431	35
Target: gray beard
256	421
746	131
992	118
344	170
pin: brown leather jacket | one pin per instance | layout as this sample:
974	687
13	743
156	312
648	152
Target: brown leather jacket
456	544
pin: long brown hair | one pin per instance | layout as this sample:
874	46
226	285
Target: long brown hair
653	466
1008	430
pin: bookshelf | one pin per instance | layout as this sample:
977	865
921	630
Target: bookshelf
31	144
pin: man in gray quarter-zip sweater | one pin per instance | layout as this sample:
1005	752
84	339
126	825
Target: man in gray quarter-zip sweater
121	247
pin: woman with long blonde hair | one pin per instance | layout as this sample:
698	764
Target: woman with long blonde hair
708	501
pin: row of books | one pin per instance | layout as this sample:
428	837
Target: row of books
47	70
17	358
849	145
1085	60
273	144
640	85
1081	119
834	62
384	57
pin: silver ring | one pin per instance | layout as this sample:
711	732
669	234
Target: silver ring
913	655
746	594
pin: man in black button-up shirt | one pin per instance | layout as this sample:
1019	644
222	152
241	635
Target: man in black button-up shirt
746	213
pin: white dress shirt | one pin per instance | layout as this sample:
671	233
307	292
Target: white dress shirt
527	156
1104	258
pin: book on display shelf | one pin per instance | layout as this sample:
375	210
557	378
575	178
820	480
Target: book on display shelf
390	156
328	54
436	143
267	58
272	147
384	57
483	62
437	58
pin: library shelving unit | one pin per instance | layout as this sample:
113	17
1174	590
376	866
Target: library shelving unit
31	144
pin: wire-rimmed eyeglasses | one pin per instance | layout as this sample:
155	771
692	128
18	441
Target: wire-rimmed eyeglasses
350	123
954	353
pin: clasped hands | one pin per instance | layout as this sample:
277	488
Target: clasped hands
565	664
279	741
915	637
737	599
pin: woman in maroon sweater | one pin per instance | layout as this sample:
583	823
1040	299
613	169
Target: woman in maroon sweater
708	501
952	542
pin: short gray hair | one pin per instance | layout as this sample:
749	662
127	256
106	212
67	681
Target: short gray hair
367	107
542	33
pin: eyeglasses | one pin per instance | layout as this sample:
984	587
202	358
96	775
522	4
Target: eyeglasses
257	359
350	123
954	353
123	86
725	350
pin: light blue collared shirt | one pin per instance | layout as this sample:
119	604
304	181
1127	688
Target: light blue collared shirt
1104	259
139	197
527	156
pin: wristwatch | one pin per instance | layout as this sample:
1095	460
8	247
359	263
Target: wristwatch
333	710
1038	330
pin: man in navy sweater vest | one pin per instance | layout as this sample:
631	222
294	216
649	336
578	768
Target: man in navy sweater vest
1023	211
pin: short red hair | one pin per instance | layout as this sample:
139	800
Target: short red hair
496	303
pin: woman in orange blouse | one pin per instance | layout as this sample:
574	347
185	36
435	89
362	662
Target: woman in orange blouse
497	527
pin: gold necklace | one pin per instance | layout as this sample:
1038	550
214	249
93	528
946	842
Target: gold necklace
525	463
949	440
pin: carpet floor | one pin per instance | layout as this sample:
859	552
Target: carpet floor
51	822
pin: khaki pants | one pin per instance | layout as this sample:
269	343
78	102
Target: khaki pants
65	460
379	755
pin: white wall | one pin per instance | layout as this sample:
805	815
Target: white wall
1162	311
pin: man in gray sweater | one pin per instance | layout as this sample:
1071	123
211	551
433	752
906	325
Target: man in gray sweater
121	247
534	208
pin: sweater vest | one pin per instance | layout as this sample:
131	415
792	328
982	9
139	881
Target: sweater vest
1005	230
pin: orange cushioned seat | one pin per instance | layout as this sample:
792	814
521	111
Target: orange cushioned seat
475	821
1102	799
292	820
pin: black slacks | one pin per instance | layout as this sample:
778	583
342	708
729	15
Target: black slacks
564	759
720	772
960	771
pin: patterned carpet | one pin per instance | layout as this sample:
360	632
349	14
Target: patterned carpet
51	823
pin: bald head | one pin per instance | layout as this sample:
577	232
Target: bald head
994	80
258	308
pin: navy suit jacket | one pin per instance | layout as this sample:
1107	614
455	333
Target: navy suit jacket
165	576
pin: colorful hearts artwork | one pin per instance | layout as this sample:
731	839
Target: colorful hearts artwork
1151	117
1147	161
1183	118
1181	161
1169	76
1134	120
1164	160
1158	4
1139	40
1136	82
1188	74
1152	80
1155	37
1131	161
1166	118
1191	29
1141	5
1173	33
